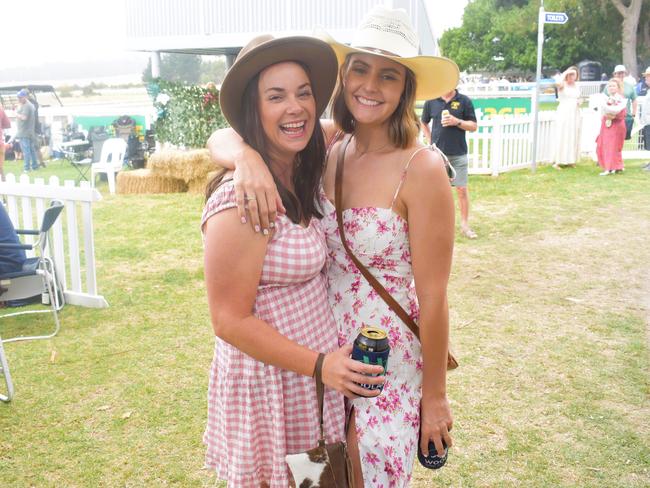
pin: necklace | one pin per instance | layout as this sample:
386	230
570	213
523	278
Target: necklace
368	151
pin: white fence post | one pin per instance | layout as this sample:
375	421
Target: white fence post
66	247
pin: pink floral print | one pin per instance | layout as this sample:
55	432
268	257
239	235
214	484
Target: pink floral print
387	426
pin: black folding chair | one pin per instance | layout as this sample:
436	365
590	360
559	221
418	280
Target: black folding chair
37	277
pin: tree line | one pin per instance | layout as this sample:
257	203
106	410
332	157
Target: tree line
501	35
188	68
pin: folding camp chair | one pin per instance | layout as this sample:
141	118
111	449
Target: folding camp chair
37	277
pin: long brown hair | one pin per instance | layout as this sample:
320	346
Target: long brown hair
307	167
403	124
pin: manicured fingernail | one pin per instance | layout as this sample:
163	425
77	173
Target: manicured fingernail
243	220
265	232
257	228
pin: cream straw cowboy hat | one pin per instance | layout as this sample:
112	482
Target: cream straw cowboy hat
388	33
264	51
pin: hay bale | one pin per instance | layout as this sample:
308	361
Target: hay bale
144	181
183	165
198	185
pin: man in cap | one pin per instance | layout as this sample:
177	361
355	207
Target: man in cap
26	130
629	92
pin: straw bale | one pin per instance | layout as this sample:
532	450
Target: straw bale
144	181
198	185
183	165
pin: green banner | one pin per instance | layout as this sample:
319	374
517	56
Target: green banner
502	106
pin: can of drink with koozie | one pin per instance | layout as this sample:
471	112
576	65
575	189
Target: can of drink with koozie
371	347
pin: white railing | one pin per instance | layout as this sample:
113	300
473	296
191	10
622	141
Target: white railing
74	247
505	142
497	89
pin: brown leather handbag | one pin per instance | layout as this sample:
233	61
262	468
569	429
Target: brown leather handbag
381	291
326	465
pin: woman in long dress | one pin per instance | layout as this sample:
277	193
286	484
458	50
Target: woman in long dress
567	120
399	220
609	143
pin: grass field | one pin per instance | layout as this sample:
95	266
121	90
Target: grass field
550	318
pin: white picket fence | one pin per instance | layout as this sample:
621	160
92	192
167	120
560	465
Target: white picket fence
72	241
505	142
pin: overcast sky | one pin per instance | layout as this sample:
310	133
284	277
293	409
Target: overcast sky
40	31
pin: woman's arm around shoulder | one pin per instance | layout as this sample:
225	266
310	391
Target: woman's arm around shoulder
255	190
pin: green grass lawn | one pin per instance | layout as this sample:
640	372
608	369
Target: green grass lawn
549	312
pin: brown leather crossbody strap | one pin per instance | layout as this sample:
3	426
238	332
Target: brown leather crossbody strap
320	392
383	293
379	288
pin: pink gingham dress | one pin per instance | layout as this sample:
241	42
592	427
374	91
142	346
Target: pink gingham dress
258	413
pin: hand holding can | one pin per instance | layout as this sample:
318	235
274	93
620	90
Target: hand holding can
444	117
371	347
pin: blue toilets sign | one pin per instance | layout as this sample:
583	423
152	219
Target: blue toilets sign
555	18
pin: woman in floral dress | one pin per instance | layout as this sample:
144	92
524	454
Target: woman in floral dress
267	292
399	221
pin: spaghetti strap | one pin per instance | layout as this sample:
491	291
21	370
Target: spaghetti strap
334	140
403	177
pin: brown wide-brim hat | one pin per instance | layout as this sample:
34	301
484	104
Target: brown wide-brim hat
264	51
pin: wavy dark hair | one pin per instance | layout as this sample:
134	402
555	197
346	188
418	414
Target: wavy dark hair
403	125
302	204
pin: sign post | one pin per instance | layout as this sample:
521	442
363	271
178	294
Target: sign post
544	18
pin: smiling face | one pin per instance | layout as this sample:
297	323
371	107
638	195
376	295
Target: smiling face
373	88
571	77
613	87
287	109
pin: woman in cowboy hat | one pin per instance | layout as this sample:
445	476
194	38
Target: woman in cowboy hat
399	221
266	291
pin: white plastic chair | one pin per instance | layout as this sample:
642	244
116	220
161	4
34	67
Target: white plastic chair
110	161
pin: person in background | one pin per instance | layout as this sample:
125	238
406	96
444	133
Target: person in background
5	123
36	142
645	116
11	260
451	116
567	120
629	92
642	86
26	130
609	143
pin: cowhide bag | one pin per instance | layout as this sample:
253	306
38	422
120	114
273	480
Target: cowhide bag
326	465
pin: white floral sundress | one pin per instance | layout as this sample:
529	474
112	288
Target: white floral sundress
387	426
